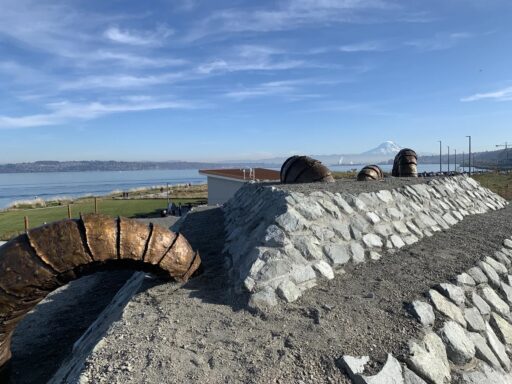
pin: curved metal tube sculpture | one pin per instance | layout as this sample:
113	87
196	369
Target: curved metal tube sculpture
36	263
370	172
304	169
405	164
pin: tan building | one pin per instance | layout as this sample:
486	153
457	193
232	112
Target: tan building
223	183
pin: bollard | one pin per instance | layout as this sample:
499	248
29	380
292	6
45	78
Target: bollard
26	223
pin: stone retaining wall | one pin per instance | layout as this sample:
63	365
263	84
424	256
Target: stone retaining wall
467	334
281	241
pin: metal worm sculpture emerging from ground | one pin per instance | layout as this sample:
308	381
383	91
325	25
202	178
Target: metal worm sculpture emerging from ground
405	164
36	263
304	169
370	172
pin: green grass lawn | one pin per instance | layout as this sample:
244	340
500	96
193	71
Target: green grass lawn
12	221
500	183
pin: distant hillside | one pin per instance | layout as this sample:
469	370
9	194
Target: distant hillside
83	166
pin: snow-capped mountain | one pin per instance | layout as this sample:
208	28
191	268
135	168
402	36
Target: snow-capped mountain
388	148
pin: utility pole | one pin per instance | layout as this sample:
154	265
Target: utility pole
448	159
469	137
463	167
440	156
504	146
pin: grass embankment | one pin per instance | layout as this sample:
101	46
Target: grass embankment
140	203
500	183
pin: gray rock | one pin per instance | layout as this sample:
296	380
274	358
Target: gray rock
464	280
497	347
342	229
373	241
497	266
373	217
401	227
456	294
324	269
491	273
340	202
478	275
411	378
397	241
480	303
291	221
446	307
391	373
338	253
506	291
449	219
385	196
508	243
288	291
410	239
357	252
383	229
460	349
375	255
428	359
303	274
502	328
494	301
423	312
483	352
502	258
474	319
263	299
274	236
484	374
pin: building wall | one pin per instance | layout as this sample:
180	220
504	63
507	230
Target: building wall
221	190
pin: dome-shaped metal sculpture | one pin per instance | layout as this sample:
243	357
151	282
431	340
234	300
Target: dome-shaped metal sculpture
370	172
405	164
34	264
304	169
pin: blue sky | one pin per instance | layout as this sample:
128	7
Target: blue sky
216	80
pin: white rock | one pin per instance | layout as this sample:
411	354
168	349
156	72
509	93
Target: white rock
397	241
354	365
288	291
456	294
497	347
428	359
482	350
324	269
374	218
373	241
494	301
483	374
338	253
493	276
506	291
357	252
478	275
474	319
391	373
446	307
480	303
411	378
502	328
508	243
460	349
497	266
465	280
423	312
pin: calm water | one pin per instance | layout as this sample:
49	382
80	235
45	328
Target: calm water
27	186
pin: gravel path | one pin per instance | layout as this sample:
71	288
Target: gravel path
353	186
204	333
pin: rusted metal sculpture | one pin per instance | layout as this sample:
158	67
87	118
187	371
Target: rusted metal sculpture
36	263
405	164
304	169
370	172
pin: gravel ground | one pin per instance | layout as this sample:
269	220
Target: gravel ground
204	333
46	335
354	186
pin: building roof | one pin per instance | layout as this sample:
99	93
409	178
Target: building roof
257	174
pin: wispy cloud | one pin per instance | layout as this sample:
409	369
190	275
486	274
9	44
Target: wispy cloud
65	112
366	46
439	41
504	94
131	37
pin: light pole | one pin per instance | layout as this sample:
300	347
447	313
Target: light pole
463	167
448	159
469	137
440	156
